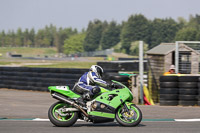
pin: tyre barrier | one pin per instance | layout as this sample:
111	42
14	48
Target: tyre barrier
122	65
183	90
38	79
168	79
169	102
115	76
169	84
169	90
44	70
198	97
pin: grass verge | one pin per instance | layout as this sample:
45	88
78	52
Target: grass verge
66	65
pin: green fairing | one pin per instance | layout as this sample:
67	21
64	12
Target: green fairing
64	91
123	95
102	114
103	90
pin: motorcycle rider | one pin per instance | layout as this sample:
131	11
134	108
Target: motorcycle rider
89	82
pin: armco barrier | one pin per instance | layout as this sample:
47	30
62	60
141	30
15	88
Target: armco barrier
183	90
39	79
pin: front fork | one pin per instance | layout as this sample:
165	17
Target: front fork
127	106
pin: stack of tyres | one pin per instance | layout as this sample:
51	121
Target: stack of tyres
198	98
115	76
169	90
188	90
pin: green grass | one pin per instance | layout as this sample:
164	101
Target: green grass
5	63
27	51
86	62
72	64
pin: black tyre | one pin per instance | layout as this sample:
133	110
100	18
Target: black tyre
120	78
169	90
198	84
187	85
129	119
168	79
187	103
2	86
188	97
198	97
168	96
168	102
198	103
188	79
68	119
192	91
125	83
168	84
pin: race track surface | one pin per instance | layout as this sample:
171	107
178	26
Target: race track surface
18	108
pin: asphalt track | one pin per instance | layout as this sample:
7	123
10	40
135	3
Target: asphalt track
83	127
19	108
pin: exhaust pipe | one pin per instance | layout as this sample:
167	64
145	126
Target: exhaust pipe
64	99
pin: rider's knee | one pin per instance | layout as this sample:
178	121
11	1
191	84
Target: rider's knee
96	90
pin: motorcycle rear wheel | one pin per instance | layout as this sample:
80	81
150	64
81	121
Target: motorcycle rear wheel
129	119
63	120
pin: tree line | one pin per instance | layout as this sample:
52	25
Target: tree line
100	35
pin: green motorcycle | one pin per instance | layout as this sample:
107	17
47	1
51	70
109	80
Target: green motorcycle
105	107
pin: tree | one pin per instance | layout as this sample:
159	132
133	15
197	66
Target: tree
2	38
7	39
163	30
74	44
93	35
188	34
111	35
32	37
39	38
194	22
19	38
136	28
62	35
134	48
27	41
190	30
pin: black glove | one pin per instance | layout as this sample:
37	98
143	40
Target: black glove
113	85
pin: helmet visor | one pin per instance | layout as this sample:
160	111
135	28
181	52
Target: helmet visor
99	71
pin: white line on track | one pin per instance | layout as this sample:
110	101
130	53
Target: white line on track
144	120
39	119
187	120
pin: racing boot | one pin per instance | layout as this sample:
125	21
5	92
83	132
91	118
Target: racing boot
87	96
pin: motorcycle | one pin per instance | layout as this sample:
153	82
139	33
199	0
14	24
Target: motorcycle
107	106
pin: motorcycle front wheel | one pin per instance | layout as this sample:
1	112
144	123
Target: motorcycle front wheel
59	118
129	118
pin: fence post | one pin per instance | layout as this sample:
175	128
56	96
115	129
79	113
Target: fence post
135	88
141	70
177	57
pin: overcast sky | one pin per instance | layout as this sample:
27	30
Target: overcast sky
77	13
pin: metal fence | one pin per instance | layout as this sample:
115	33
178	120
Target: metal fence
187	61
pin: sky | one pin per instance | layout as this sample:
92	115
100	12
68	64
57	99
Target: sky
77	13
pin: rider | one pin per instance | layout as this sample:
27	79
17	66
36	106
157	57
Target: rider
88	83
